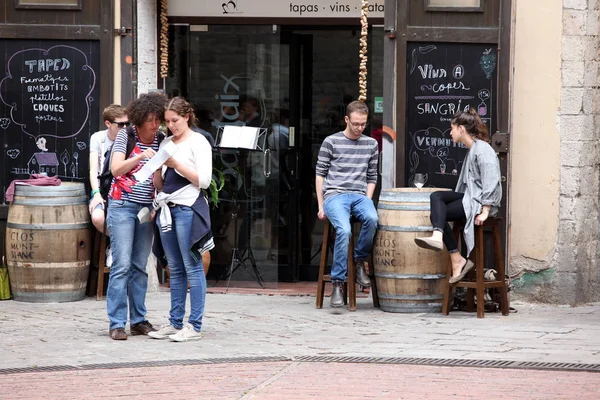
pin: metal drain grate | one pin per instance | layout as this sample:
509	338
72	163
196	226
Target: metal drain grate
445	362
144	364
440	362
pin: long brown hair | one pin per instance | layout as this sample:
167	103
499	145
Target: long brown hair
182	108
472	123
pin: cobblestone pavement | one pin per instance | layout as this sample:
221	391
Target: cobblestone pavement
76	334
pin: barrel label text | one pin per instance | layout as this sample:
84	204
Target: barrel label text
384	252
22	246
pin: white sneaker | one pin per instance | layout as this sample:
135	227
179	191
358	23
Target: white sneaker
108	260
164	332
187	333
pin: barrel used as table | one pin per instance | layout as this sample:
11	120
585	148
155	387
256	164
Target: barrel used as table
48	239
409	279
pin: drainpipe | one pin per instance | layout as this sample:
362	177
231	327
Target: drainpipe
134	65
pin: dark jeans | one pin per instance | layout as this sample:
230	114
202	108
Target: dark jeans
447	206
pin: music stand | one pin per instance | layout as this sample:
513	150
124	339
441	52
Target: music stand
239	257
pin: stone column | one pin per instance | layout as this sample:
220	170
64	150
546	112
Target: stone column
577	277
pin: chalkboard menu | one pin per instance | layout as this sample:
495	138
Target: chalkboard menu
444	78
48	109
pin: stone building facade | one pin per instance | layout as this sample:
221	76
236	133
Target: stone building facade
554	218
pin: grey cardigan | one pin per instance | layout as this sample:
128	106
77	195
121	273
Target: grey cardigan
479	180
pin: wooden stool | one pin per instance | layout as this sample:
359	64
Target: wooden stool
97	285
349	292
478	285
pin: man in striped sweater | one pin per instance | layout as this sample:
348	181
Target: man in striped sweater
346	175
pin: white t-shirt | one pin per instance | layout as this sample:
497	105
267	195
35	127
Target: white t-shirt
99	143
194	152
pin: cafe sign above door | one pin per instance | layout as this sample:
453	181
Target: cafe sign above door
273	9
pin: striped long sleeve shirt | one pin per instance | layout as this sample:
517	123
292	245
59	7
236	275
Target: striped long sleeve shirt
347	165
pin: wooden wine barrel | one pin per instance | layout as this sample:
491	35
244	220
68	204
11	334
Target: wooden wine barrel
409	279
48	239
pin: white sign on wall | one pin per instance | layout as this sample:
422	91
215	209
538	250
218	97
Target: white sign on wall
273	8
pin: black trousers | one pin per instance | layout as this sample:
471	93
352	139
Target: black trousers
447	206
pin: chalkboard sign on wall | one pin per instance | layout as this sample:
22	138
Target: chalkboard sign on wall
48	93
444	78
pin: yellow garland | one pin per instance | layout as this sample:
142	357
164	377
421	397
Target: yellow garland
164	39
364	32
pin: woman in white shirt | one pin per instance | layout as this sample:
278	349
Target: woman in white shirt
184	219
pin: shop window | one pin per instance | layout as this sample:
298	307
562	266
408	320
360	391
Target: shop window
455	5
49	4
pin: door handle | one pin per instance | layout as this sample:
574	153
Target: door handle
267	163
292	136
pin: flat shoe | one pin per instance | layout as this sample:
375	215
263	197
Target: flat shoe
465	269
429	243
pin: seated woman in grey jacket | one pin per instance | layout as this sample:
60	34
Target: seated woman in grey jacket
477	195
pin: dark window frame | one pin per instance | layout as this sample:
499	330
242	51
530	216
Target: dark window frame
430	8
72	5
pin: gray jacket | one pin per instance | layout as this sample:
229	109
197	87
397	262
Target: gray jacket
479	180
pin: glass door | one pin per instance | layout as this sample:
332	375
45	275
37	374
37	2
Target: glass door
324	75
294	84
239	76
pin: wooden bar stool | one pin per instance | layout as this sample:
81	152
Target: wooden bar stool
97	285
478	284
349	290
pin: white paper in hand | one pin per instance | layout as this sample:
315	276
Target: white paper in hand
156	162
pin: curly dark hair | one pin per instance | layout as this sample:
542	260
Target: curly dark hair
148	103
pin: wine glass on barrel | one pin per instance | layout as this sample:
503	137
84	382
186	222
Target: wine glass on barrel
419	181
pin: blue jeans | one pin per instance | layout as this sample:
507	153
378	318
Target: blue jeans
338	210
131	243
183	267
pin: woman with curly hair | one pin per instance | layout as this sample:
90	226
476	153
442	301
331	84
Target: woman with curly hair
131	237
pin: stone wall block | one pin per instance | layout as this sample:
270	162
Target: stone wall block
591	105
567	231
592	25
574	47
577	127
578	153
591	76
569	181
589	156
575	4
591	49
593	5
571	101
561	290
573	73
574	22
565	261
566	209
147	46
570	155
585	206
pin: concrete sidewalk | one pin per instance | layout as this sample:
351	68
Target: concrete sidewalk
76	334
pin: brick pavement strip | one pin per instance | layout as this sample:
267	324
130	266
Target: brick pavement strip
299	381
